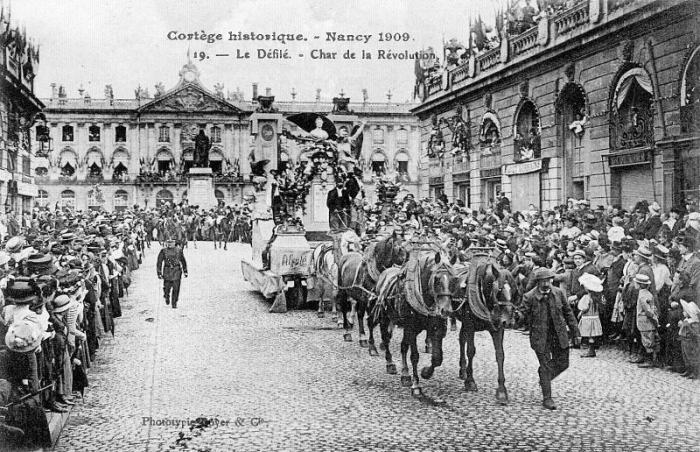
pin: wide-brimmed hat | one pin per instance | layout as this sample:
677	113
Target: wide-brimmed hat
591	283
660	251
643	251
40	263
14	245
67	237
655	208
691	309
62	303
641	278
24	335
580	253
22	291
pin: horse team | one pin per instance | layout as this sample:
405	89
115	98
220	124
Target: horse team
217	228
418	287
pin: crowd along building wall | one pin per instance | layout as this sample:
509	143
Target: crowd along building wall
606	87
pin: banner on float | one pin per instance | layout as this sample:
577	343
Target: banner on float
531	166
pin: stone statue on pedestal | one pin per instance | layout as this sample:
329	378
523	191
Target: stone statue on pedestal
201	150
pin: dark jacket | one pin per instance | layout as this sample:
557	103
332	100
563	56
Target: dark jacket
171	264
335	202
538	308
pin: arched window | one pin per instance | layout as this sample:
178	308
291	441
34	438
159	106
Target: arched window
67	133
164	159
95	199
690	94
632	121
67	162
163	196
526	141
220	198
42	198
94	162
41	166
216	160
68	199
378	163
94	133
121	200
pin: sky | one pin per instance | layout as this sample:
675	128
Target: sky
125	43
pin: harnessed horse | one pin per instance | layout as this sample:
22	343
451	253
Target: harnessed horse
417	297
325	270
484	305
357	275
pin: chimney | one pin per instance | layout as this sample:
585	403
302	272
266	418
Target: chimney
255	92
268	92
54	91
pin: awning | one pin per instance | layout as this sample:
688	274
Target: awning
164	156
402	157
94	157
188	155
41	162
215	156
67	157
378	157
636	75
120	157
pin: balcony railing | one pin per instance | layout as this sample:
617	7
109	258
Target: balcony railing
489	59
524	42
460	166
572	18
490	157
436	168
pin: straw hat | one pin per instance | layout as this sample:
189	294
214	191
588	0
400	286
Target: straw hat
692	310
24	335
591	283
641	278
62	303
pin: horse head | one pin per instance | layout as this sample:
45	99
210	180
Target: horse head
495	290
442	284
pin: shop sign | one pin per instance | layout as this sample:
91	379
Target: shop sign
630	158
26	189
526	167
491	173
461	177
436	180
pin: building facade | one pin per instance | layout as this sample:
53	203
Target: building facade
598	100
20	116
115	153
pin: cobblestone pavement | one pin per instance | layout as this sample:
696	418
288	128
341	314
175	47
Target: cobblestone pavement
288	382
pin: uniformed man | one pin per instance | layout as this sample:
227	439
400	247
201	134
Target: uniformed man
549	314
170	267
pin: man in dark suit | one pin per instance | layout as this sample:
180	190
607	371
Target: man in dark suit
546	309
170	266
339	202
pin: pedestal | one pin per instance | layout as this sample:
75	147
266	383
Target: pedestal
200	188
316	218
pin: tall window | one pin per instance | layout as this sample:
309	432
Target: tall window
94	133
527	135
67	133
164	134
68	199
632	124
378	135
42	198
26	166
402	163
121	200
120	134
215	135
378	161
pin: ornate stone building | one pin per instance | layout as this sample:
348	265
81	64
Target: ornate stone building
597	100
19	115
115	153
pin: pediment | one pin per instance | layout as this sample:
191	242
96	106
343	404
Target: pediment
190	98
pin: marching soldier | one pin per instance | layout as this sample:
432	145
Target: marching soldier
170	267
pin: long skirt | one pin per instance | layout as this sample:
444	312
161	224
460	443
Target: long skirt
590	326
690	345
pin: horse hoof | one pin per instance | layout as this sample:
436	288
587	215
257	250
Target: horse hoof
470	386
429	349
462	374
391	369
373	351
347	337
502	397
406	380
426	373
382	347
340	324
453	327
321	315
364	343
416	392
334	318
